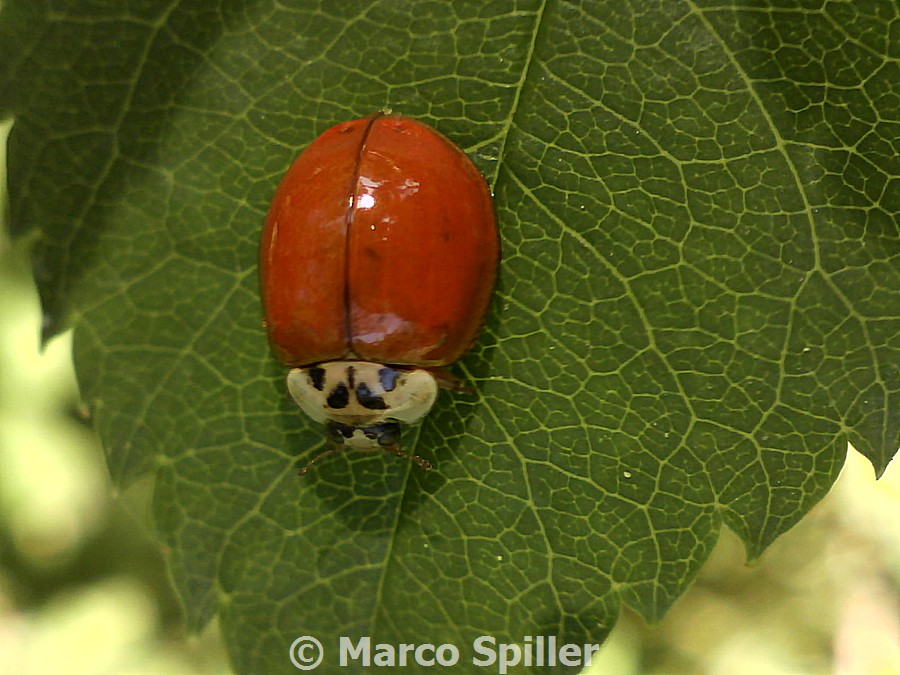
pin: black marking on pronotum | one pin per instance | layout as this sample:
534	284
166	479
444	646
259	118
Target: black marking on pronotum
317	377
351	377
339	397
369	400
388	378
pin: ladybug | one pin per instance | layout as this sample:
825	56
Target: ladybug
377	264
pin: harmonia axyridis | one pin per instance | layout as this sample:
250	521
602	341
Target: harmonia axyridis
377	264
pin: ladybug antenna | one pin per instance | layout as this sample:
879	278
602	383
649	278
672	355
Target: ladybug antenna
393	449
397	450
322	455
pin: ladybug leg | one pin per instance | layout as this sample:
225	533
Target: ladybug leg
399	452
334	449
448	380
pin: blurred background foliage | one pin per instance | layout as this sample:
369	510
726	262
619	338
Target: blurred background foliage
83	587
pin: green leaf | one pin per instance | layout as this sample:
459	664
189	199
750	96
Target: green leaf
697	305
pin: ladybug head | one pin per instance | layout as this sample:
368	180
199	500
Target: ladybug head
385	435
363	403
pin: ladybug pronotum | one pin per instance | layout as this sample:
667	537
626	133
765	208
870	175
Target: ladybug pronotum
377	263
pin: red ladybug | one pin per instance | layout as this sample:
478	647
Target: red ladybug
377	261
